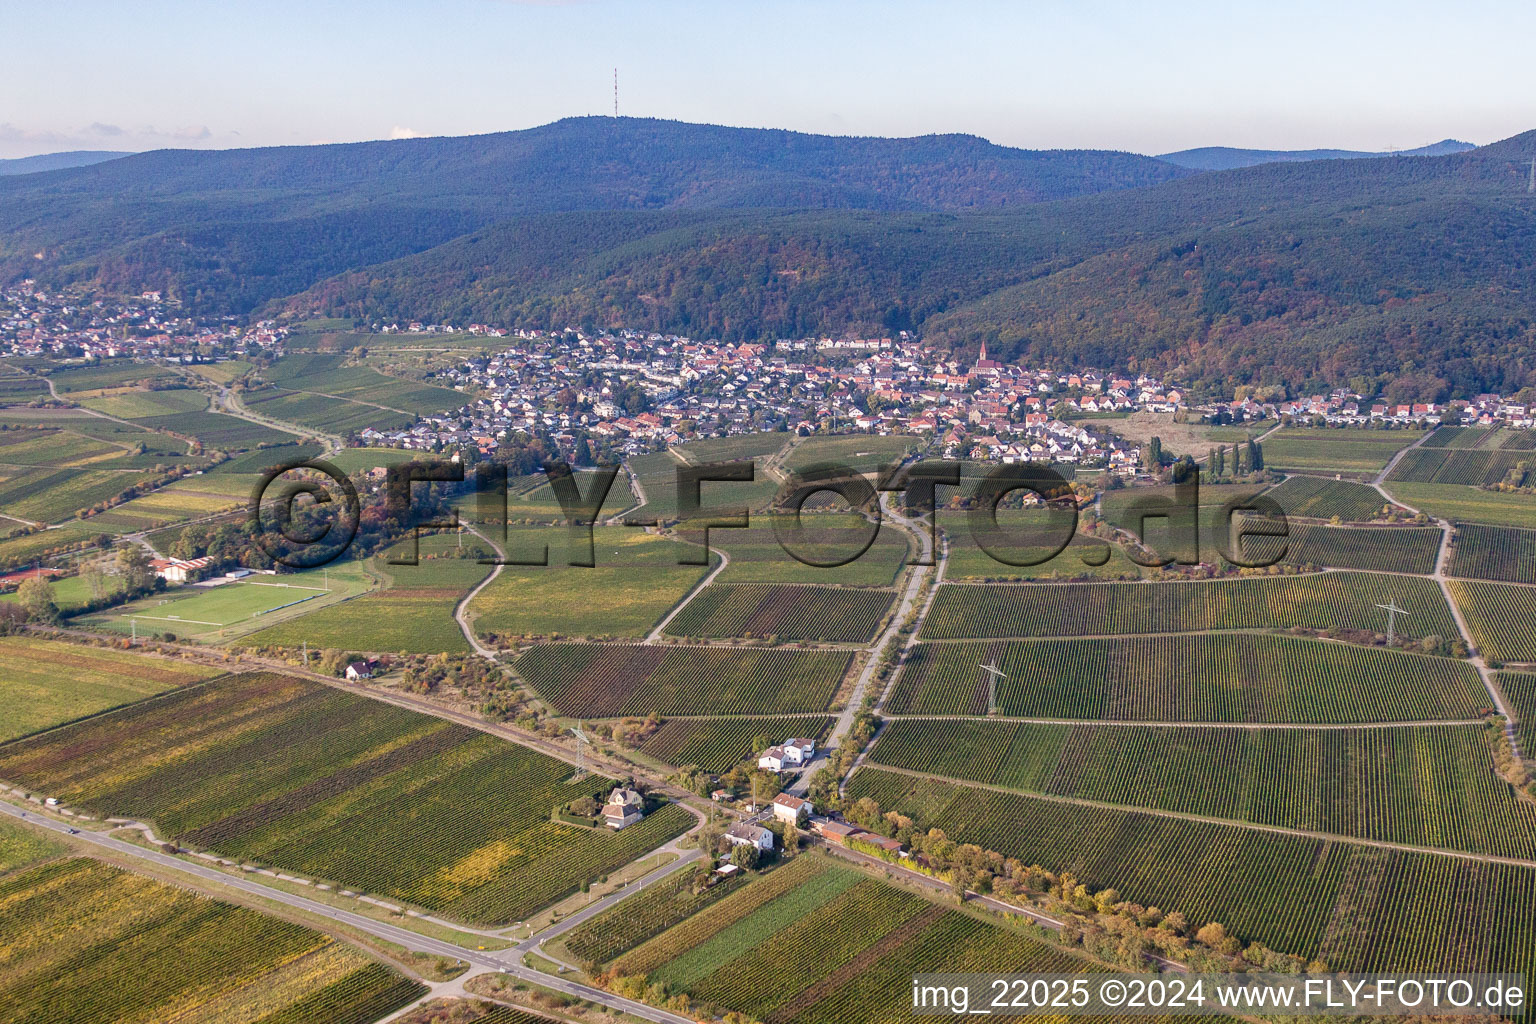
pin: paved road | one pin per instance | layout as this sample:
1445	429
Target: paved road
505	961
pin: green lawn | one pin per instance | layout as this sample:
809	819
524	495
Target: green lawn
1468	504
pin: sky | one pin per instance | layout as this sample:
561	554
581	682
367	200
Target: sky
1039	74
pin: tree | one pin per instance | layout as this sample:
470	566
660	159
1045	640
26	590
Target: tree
744	856
94	579
36	596
133	564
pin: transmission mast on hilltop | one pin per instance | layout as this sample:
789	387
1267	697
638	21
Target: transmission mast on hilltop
615	92
1531	187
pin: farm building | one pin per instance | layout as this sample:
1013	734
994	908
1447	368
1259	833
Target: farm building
743	834
835	831
360	670
624	808
788	755
177	570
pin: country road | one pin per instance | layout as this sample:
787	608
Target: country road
505	961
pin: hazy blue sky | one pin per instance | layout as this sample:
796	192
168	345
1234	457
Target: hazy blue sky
1149	77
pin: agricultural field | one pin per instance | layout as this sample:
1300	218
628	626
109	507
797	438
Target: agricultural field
354	460
317	390
72	593
656	478
1345	600
814	941
413	613
1494	553
158	447
1336	450
719	744
50	495
84	941
757	556
646	915
254	463
532	500
1198	678
1314	497
323	412
1025	540
636	580
230	610
1467	468
341	788
46	546
22	847
48	682
831	614
1519	689
740	446
1500	617
1407	549
222	372
1418	785
177	502
1469	504
136	405
1357	908
610	680
56	449
863	453
109	373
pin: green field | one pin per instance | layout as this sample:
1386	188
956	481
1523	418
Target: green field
1357	908
607	680
1313	497
811	941
1418	785
225	612
109	373
51	495
1500	617
1458	466
20	847
48	682
635	582
134	405
863	453
1468	504
1025	540
740	446
1341	450
656	475
1345	600
84	941
339	787
1213	678
719	744
412	614
1409	549
830	614
1494	553
758	556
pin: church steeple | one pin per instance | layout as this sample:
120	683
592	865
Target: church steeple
983	357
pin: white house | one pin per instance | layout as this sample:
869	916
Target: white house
360	670
789	808
775	759
804	748
743	834
789	754
624	808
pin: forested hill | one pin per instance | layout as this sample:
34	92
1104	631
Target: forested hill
231	229
1225	158
1417	271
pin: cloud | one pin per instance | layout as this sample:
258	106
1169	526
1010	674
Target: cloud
398	132
110	130
20	140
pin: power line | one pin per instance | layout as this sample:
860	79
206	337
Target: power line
993	674
1393	611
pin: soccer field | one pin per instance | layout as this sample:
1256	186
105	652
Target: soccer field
233	609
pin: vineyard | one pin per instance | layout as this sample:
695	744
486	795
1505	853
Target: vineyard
1456	466
830	614
1379	549
608	680
338	787
1494	553
86	942
1344	600
657	908
813	941
48	682
1358	908
719	744
1420	786
1214	678
1519	690
1500	617
756	555
1316	497
1349	451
